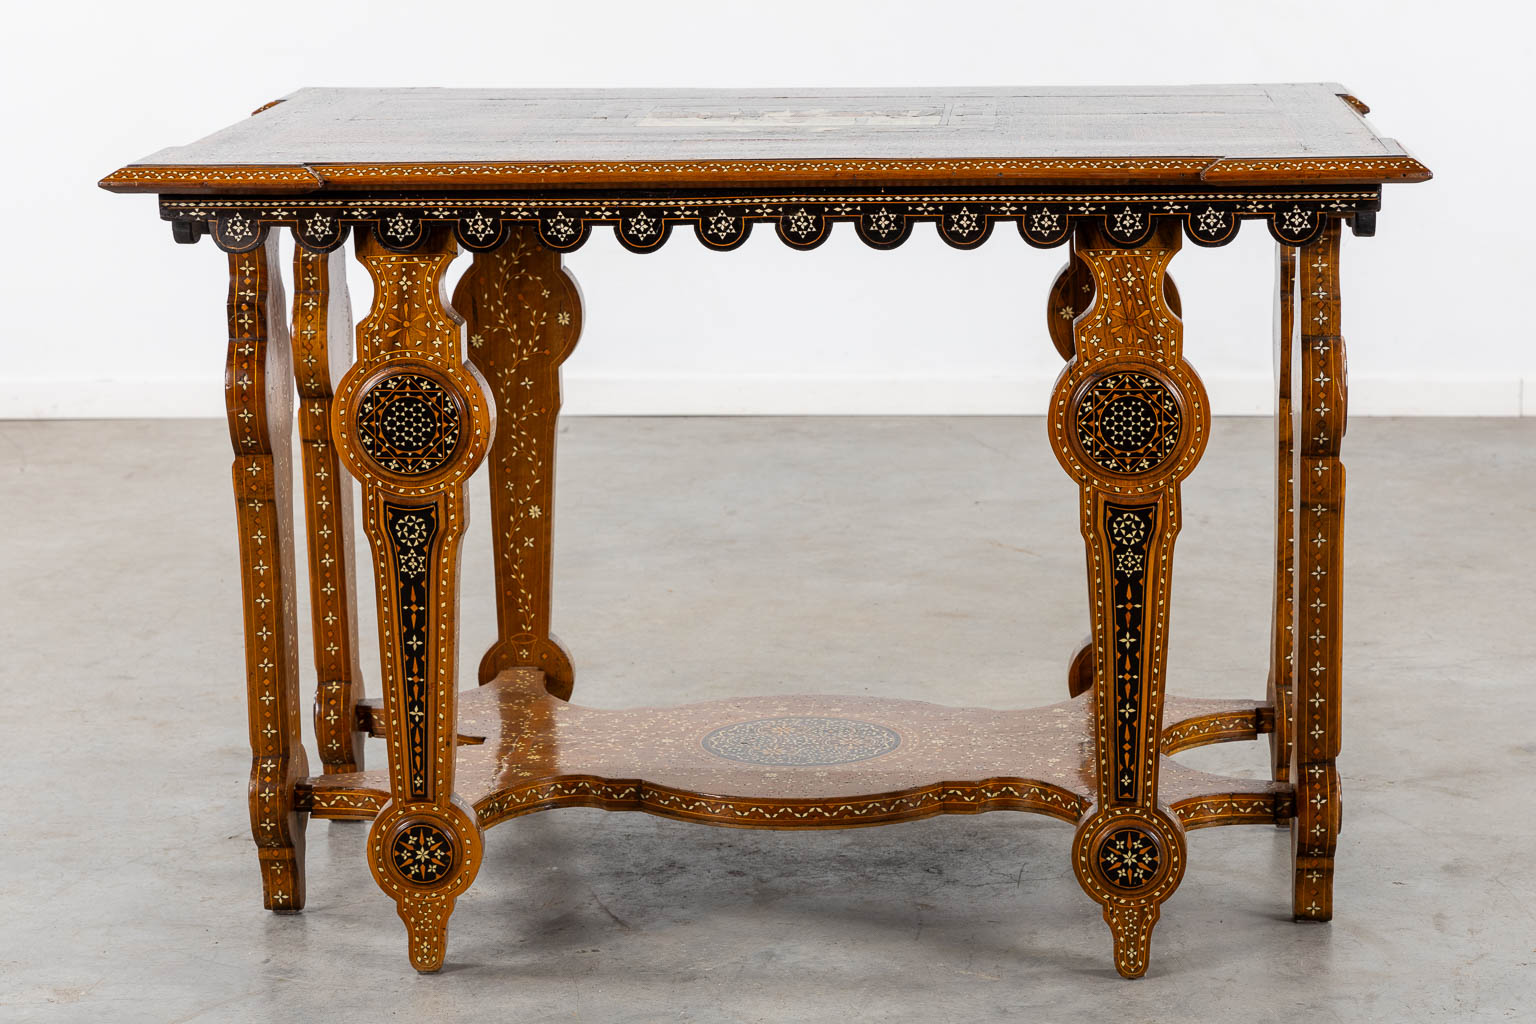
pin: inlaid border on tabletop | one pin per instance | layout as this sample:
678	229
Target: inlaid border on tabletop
199	178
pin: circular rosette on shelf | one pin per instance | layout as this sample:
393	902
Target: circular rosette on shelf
803	225
722	227
884	225
480	231
1296	223
964	225
1208	223
642	229
237	232
1046	225
561	229
1128	226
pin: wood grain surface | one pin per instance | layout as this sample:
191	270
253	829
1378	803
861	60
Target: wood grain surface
404	138
820	761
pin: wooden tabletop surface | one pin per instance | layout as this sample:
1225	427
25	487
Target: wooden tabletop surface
318	139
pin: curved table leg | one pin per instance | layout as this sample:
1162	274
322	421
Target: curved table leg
322	348
1129	420
523	313
412	420
1282	648
1319	414
1070	296
258	397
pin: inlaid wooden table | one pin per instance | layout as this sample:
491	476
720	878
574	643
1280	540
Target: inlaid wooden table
1120	176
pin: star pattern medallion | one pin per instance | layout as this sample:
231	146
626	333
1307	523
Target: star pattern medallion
1128	422
408	423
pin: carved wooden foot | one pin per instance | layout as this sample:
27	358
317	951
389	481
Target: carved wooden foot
523	313
1319	414
257	396
412	420
1129	420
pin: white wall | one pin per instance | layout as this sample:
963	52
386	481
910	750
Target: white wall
105	316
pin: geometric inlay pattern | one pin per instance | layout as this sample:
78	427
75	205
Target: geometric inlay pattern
1130	541
1128	858
413	532
423	853
408	423
1128	422
801	741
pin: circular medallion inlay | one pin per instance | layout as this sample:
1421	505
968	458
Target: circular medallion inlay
423	853
801	741
1128	422
1129	858
408	423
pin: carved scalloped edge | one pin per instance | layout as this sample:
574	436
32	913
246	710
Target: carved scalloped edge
642	223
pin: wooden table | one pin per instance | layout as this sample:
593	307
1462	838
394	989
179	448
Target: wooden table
1120	176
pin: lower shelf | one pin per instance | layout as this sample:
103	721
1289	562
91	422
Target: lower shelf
806	761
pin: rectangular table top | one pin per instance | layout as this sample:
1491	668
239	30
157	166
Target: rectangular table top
329	139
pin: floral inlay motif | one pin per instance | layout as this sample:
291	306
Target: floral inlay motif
1128	858
1211	221
963	222
643	226
884	223
413	531
423	853
1295	221
801	223
479	227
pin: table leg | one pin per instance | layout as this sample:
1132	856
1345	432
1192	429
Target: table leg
523	315
322	343
412	421
258	398
1129	419
1071	295
1319	417
1282	647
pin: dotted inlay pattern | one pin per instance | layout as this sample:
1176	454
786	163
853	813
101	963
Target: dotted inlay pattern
1128	422
801	741
408	423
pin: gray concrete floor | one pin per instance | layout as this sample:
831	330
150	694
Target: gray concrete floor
923	558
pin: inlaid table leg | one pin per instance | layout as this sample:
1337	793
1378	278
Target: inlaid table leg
1319	405
258	397
1129	420
412	420
1282	648
322	343
1071	296
523	315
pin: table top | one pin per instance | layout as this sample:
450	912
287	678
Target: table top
349	139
